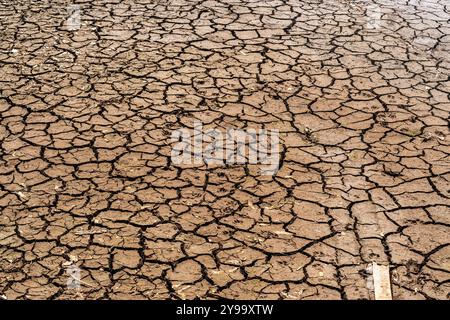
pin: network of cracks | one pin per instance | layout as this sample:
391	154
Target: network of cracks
86	177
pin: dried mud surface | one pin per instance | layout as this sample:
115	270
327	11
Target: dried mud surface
85	171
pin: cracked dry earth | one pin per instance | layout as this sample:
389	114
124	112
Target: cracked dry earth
86	177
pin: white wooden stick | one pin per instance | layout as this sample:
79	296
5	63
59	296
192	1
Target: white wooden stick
382	282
